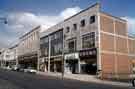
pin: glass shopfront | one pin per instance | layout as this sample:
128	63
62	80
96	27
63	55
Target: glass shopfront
71	63
88	61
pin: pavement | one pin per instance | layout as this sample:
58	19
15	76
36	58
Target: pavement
20	80
86	78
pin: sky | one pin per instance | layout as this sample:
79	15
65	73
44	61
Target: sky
23	15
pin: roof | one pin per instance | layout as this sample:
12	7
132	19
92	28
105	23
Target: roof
113	16
83	11
29	32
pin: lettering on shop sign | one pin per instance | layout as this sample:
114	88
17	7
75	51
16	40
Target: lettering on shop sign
72	56
88	52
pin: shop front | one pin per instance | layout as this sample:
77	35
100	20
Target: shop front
56	64
88	61
28	61
72	63
43	64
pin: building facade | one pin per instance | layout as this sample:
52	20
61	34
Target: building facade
91	41
28	48
51	51
8	57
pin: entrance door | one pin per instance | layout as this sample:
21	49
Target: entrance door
89	68
72	66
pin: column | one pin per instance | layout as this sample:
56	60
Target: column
55	67
79	67
38	60
45	66
49	54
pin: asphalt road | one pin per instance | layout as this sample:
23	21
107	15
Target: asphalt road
18	80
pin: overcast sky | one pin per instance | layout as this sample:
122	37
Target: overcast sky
23	15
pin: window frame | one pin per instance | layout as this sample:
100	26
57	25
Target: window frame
75	26
83	23
88	38
67	29
92	19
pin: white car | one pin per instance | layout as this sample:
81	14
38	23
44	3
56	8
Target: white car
30	70
8	68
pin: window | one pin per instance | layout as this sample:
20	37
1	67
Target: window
57	49
75	26
82	23
92	19
44	46
67	29
57	43
88	41
72	45
52	37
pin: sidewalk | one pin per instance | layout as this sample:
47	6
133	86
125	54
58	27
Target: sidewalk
86	78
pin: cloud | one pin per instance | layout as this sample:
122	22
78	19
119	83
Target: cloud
69	12
22	22
131	25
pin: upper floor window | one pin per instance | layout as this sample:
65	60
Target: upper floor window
92	19
88	40
82	23
75	26
67	29
72	45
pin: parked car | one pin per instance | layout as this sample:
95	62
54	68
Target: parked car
30	70
8	68
133	77
18	68
133	82
15	67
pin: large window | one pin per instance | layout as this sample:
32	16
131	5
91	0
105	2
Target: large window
57	43
72	45
88	40
44	46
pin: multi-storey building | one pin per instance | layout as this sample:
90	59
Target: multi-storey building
28	48
91	41
14	55
8	57
51	50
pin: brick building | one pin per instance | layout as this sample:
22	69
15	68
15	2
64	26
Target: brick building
88	42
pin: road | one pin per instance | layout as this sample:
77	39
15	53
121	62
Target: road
19	80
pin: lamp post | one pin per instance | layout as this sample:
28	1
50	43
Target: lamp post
4	20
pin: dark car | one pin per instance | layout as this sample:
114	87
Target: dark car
133	82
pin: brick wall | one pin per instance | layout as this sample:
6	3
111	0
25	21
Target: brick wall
115	59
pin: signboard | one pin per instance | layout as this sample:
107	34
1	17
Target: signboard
88	53
71	56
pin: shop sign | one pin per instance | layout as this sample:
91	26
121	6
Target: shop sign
88	52
71	56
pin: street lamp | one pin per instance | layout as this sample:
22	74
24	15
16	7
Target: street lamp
4	20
